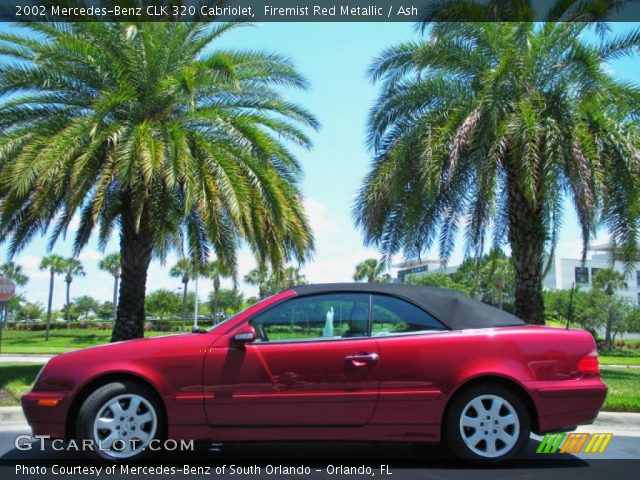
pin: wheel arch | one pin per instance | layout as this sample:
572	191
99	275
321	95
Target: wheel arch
99	381
503	381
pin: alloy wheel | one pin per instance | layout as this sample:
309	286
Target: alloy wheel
125	425
489	426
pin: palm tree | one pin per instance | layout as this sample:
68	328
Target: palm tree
371	270
608	280
259	277
73	268
216	270
147	129
112	265
13	272
57	266
291	276
183	269
489	126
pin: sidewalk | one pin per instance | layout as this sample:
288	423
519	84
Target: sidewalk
24	358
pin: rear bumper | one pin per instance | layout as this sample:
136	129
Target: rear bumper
46	420
563	405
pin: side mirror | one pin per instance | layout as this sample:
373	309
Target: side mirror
245	335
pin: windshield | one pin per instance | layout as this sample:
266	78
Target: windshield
226	320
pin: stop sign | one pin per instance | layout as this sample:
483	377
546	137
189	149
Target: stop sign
7	289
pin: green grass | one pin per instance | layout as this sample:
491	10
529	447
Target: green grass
624	389
15	380
608	360
60	340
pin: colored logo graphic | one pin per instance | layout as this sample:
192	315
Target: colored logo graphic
573	443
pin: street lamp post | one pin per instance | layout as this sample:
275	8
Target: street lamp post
195	309
7	289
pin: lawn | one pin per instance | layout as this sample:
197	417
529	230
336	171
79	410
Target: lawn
16	379
60	340
608	360
624	389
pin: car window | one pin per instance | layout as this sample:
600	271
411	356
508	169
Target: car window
325	316
391	315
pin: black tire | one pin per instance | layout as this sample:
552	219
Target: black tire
96	402
453	429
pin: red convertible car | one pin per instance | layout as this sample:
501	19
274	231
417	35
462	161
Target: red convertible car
330	362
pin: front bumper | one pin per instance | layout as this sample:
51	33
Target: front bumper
44	417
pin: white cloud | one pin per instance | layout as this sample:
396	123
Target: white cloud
317	214
90	255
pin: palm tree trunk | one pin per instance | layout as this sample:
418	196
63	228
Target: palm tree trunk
46	335
216	300
526	237
184	305
135	249
68	312
116	280
607	330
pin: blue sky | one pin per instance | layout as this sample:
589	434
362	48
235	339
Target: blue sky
334	57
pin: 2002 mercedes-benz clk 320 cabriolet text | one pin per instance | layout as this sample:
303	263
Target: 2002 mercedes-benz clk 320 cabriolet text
330	362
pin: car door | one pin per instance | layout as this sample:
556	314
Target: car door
313	364
417	352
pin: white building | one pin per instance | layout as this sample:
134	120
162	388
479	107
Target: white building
565	272
419	268
562	275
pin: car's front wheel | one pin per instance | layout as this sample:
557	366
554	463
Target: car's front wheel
487	422
121	419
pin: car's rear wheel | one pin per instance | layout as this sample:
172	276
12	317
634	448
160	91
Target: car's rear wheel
487	422
121	419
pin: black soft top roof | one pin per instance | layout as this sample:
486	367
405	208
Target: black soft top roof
454	309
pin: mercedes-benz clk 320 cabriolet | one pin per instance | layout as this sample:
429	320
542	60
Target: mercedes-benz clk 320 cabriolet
330	362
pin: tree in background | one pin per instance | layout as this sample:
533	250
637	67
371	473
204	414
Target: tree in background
148	130
73	268
491	126
609	280
229	300
84	305
216	270
105	311
270	282
290	277
163	302
56	265
586	308
183	269
13	272
259	277
112	265
372	271
440	280
30	311
489	279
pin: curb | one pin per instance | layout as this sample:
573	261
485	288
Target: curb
616	420
12	416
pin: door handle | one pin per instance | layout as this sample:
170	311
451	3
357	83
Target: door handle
362	359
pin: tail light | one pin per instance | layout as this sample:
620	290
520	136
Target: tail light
589	364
